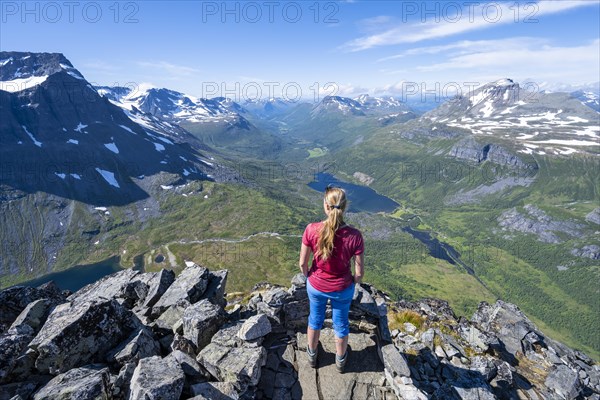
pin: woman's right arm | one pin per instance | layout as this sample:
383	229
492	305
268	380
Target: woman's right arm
303	262
359	267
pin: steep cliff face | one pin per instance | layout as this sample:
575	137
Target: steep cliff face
153	335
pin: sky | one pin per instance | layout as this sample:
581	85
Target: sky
258	49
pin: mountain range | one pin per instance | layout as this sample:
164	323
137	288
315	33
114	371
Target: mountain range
156	177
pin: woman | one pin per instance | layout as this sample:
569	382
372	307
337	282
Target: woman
333	244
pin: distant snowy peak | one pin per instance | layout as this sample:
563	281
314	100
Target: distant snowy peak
171	105
343	105
24	70
381	104
543	123
588	98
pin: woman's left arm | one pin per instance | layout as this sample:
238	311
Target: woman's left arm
303	262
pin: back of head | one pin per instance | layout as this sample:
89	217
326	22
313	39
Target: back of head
335	204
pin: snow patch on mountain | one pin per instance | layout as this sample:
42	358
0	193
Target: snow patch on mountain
108	177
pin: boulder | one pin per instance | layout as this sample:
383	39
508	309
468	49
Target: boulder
214	391
394	362
14	300
255	327
564	381
12	346
157	286
78	333
157	378
189	285
215	290
171	318
34	315
188	364
201	321
140	344
84	383
238	365
110	287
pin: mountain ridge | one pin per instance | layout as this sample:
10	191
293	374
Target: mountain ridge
184	337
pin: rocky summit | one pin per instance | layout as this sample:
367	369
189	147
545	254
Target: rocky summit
135	335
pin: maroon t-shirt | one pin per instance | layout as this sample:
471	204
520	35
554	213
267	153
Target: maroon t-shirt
333	274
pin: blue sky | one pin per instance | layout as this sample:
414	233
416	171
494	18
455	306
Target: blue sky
204	47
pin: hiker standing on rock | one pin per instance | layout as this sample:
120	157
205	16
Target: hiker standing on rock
333	244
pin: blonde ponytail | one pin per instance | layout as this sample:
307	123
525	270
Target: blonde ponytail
335	202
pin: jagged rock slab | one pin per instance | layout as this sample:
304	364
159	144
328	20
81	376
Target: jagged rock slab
188	364
215	290
78	333
364	370
14	300
201	321
12	345
138	345
255	327
214	391
90	382
34	315
239	365
189	285
110	287
157	286
171	318
157	378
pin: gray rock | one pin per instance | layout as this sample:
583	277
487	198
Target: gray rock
228	335
507	322
188	364
12	345
157	378
171	318
214	391
34	314
296	313
299	280
409	328
121	382
394	362
215	290
76	334
110	287
564	381
157	286
189	285
14	300
485	366
594	216
85	383
201	321
537	222
138	345
588	251
364	301
238	365
255	327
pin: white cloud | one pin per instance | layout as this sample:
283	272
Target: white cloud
479	17
173	69
547	62
468	46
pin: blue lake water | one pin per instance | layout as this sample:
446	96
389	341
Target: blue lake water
362	198
77	277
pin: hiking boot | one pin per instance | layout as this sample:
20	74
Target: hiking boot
340	363
312	357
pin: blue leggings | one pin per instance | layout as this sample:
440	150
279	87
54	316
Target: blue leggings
340	304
